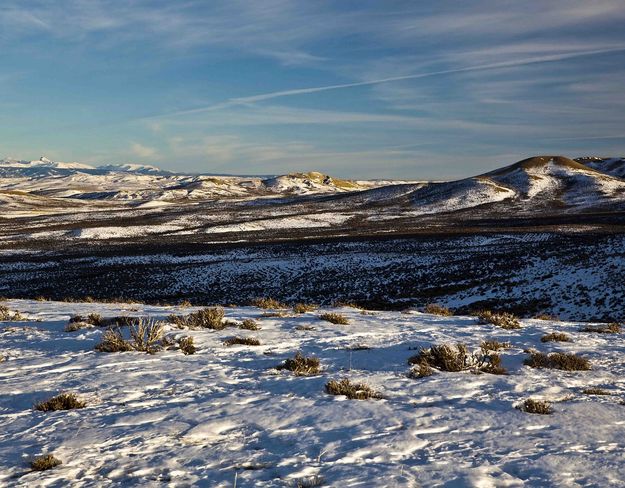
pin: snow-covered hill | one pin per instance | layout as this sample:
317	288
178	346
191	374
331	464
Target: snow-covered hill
225	416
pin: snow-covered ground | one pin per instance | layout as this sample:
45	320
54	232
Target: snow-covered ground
226	414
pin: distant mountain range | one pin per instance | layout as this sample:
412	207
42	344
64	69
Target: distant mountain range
45	200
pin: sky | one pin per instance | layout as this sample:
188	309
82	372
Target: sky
428	89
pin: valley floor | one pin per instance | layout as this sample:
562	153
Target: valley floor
226	413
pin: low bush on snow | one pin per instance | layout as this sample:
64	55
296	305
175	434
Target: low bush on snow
302	365
557	360
446	357
6	314
436	309
243	341
555	337
309	482
612	328
536	406
145	336
249	324
187	345
494	345
595	391
268	303
78	322
206	318
334	318
504	320
45	462
353	391
64	401
304	307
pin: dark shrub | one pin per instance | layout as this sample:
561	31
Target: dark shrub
436	309
353	391
555	337
43	463
334	318
557	360
500	319
243	341
64	401
302	365
536	406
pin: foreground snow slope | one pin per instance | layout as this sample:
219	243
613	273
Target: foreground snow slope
200	420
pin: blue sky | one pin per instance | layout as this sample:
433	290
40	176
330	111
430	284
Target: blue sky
362	89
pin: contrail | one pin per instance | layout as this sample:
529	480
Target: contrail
303	91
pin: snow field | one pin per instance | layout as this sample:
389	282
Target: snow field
173	420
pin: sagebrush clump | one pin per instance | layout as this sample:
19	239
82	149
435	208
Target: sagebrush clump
504	320
7	314
249	324
455	358
334	318
64	401
302	365
494	345
206	318
541	407
555	337
187	345
595	391
353	391
243	341
268	303
145	336
45	462
612	328
558	360
304	307
436	309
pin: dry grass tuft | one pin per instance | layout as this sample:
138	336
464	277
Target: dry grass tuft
334	318
436	309
541	407
595	391
612	328
249	324
206	318
501	319
243	341
268	303
353	391
557	360
64	401
302	365
555	337
187	345
304	307
10	315
45	462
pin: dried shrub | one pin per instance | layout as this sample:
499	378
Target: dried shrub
10	315
249	324
113	341
504	320
268	303
304	307
541	407
185	303
545	316
595	391
74	326
146	336
445	357
309	482
435	309
206	318
494	345
334	318
124	321
353	391
45	462
269	315
302	365
421	370
558	360
187	345
555	337
64	401
243	341
612	328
